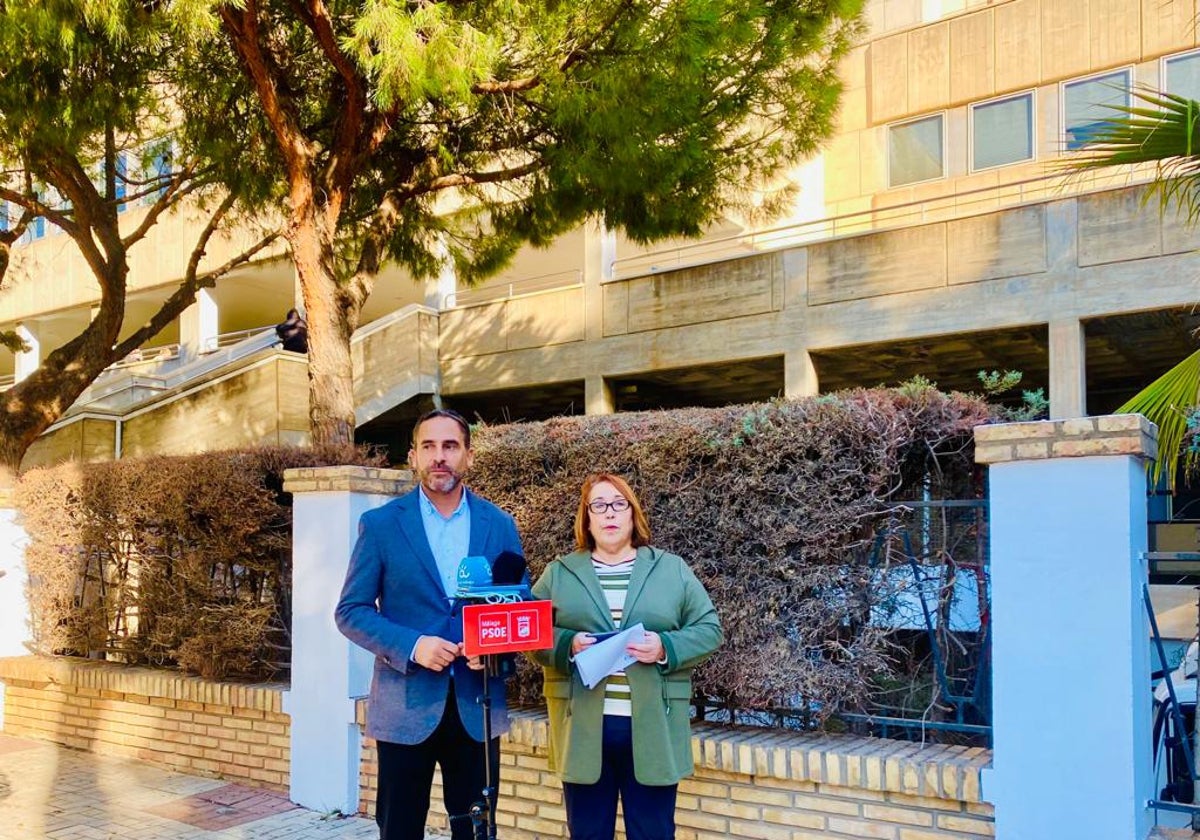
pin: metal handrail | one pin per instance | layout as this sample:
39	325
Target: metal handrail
226	339
146	355
525	286
953	205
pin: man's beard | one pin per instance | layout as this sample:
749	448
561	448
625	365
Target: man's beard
440	483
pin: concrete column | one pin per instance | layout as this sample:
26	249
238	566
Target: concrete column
14	606
598	396
1070	650
799	375
444	285
198	326
599	252
328	671
27	361
1068	369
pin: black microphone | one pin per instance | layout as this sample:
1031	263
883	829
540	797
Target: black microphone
508	569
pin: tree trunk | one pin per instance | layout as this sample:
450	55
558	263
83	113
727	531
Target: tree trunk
34	404
331	320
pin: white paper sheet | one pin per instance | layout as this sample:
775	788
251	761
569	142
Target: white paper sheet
608	656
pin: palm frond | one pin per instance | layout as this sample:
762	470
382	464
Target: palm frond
1159	128
1166	402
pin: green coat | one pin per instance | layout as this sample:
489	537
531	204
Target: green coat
667	598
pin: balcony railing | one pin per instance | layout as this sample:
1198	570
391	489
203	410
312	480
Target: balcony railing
504	291
907	214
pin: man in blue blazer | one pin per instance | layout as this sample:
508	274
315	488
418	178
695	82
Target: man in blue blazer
398	602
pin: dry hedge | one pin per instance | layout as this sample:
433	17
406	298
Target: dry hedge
775	506
778	507
167	560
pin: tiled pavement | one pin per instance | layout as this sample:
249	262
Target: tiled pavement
49	792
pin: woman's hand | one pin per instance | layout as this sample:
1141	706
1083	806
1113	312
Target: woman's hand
581	641
649	650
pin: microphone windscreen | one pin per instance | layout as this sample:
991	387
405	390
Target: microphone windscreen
508	569
474	572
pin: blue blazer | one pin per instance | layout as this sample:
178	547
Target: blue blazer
393	595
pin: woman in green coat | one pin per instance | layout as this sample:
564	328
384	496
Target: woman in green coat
629	736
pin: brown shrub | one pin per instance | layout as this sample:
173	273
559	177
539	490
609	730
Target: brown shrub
167	560
776	507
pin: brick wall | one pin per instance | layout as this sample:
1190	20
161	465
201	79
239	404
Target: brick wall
234	731
763	784
754	783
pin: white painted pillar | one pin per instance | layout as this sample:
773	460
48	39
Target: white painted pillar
598	396
1068	369
198	328
444	285
799	375
599	252
1070	641
328	671
28	360
14	607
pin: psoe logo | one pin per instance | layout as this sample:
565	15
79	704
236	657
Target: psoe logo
493	630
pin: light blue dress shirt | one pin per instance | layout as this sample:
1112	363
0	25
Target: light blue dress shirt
449	538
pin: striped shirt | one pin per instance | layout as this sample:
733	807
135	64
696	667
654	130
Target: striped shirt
614	581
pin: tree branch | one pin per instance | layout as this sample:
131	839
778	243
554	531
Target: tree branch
179	186
185	295
242	28
511	86
465	179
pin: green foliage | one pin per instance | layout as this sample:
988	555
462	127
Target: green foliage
12	342
1162	130
1168	402
1033	404
496	124
776	507
1159	128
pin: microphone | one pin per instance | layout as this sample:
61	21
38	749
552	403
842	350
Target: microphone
497	582
508	569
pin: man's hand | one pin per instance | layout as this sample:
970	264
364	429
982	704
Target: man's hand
435	653
649	650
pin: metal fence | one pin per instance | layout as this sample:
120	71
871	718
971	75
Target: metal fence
928	582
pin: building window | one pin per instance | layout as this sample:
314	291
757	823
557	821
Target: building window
916	151
158	167
1182	75
1088	105
1002	131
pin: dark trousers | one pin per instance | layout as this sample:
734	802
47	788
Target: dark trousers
406	776
592	809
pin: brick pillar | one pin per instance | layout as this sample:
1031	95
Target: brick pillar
328	671
1070	658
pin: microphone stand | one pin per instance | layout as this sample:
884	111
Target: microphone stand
483	812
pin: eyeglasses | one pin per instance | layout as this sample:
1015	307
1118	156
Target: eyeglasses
598	507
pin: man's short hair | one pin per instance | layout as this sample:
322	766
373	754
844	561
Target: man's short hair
448	413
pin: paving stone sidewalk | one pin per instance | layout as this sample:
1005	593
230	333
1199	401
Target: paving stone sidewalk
49	792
